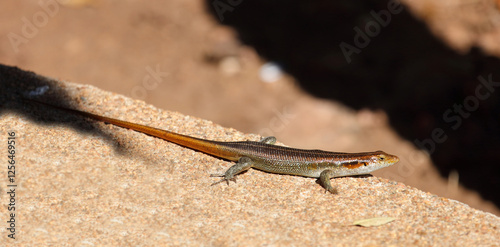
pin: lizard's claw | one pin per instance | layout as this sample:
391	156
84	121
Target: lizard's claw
222	180
332	190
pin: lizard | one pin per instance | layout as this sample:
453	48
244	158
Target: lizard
264	155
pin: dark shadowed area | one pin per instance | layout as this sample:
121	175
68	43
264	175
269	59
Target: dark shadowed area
375	54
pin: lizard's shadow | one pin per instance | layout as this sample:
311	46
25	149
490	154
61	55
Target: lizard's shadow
16	85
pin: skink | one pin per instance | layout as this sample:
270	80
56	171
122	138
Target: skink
266	156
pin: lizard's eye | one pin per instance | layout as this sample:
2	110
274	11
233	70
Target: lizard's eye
381	157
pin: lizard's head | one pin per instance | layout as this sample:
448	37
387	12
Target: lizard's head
383	159
369	162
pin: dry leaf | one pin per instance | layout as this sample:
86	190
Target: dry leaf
373	221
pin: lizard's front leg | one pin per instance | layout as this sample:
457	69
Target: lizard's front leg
324	180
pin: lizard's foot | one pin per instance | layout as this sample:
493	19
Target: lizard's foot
222	180
331	190
269	140
243	164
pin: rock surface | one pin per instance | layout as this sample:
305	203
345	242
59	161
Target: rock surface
85	183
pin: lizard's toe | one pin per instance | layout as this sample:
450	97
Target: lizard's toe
225	178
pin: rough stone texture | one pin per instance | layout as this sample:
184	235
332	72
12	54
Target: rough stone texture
86	183
176	55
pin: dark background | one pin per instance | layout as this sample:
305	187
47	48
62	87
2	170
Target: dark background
404	70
